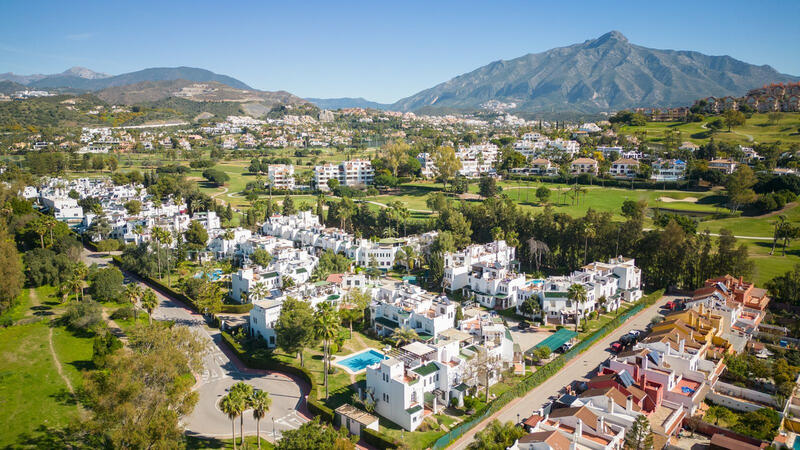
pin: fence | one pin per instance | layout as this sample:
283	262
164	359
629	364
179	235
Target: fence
544	373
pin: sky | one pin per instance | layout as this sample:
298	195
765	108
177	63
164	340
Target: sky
379	50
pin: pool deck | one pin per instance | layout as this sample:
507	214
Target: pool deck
337	361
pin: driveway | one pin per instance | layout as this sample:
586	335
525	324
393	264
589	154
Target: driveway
580	368
526	338
221	370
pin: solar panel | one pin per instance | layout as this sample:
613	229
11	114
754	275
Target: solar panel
722	287
625	378
655	357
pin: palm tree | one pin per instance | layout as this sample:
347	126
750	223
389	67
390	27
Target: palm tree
327	325
232	406
577	293
287	282
133	292
243	392
778	230
79	273
389	232
149	303
40	228
588	233
258	292
405	335
260	402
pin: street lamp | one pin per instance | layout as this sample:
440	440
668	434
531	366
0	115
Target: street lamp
517	418
273	429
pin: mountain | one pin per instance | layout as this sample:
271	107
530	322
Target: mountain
210	91
83	79
603	74
347	102
10	87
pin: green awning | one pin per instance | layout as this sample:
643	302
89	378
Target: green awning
555	341
388	323
427	369
414	409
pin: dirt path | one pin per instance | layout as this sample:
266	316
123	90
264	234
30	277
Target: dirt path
222	192
114	328
58	364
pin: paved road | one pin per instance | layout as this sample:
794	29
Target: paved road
580	368
221	371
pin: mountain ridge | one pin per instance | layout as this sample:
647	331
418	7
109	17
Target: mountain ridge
85	79
347	102
602	74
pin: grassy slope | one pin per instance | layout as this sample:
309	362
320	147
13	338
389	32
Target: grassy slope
757	127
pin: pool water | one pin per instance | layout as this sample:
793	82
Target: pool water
214	275
360	361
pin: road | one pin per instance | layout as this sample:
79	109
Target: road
221	370
580	368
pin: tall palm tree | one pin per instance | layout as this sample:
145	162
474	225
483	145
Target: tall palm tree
243	392
405	335
577	293
133	292
326	321
588	233
260	402
149	303
232	406
778	230
156	232
79	273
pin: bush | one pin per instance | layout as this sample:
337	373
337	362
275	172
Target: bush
201	164
124	313
86	315
108	245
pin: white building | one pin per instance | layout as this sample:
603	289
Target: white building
457	265
493	285
406	305
352	173
668	170
281	176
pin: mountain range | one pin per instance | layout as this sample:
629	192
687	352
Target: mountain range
80	78
604	74
348	102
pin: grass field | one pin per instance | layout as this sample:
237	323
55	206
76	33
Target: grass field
32	393
757	129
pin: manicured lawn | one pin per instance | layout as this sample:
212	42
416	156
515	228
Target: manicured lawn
204	443
750	226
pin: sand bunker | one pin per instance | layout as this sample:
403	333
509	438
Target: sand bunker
672	200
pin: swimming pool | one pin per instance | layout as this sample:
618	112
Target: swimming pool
214	275
360	361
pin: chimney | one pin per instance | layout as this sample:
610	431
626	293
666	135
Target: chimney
644	363
601	423
681	344
610	405
629	404
644	381
578	430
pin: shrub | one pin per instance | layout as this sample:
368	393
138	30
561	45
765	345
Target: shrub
85	315
124	313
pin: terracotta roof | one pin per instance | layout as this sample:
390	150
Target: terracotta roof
722	441
616	395
584	161
556	440
585	414
626	161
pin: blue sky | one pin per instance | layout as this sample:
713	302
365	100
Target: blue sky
382	51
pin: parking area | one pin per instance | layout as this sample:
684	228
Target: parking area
526	338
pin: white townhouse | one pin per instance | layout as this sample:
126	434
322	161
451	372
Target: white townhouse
583	165
418	379
477	160
427	167
402	304
64	209
352	173
293	263
458	265
568	147
246	279
624	168
493	285
614	282
208	219
590	127
379	254
226	242
266	311
281	176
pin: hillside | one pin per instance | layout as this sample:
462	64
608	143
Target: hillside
9	87
88	80
603	74
348	102
149	91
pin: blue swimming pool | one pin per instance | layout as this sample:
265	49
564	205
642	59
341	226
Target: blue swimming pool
360	361
214	275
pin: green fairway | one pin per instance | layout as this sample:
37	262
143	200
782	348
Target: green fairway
761	226
757	129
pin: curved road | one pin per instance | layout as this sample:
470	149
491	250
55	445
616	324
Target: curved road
221	370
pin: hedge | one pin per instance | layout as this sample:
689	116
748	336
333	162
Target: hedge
377	439
237	309
545	372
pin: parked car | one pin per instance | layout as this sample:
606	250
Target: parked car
617	347
524	325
